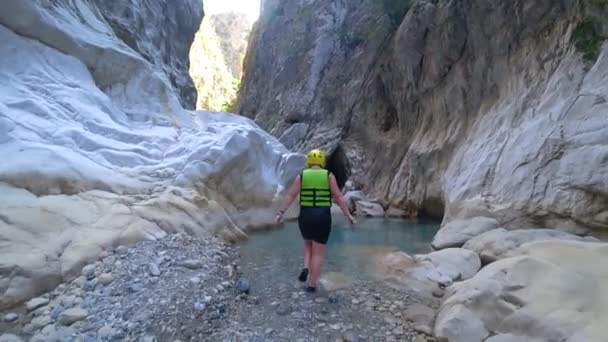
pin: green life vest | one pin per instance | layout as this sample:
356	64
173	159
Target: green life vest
315	190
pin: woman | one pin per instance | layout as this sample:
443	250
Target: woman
316	187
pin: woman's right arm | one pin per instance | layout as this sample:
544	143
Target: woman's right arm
339	198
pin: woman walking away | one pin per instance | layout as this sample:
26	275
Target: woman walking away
316	187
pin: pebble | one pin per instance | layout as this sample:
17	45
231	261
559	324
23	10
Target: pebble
148	338
243	285
105	332
40	322
105	278
268	331
90	285
199	306
73	315
80	281
192	264
438	293
10	317
89	271
195	280
36	303
136	287
153	270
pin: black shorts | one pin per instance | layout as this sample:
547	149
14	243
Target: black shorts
315	224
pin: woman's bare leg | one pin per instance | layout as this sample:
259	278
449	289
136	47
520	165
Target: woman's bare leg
307	253
318	254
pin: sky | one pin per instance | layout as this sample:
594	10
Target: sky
250	7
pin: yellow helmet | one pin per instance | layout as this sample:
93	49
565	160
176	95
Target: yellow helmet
315	157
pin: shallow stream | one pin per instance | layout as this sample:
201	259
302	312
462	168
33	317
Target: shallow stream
277	254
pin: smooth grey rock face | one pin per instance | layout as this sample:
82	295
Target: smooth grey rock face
455	108
162	33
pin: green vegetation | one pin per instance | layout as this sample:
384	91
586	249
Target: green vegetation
230	106
216	61
587	39
396	10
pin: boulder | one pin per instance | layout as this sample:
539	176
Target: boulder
396	213
457	232
553	290
352	197
369	209
498	243
455	263
427	274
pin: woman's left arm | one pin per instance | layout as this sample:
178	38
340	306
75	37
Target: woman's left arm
291	196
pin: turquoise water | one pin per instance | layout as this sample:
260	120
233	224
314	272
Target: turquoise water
349	250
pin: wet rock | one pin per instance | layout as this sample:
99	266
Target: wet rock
73	315
10	338
192	264
105	278
369	209
36	303
154	270
89	271
10	317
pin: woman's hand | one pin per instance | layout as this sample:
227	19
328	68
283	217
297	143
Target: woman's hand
352	219
279	218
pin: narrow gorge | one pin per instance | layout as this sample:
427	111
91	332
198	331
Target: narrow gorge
127	189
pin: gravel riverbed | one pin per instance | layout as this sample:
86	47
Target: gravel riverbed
179	288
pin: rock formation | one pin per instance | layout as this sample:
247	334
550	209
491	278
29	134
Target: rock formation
98	150
458	109
548	292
